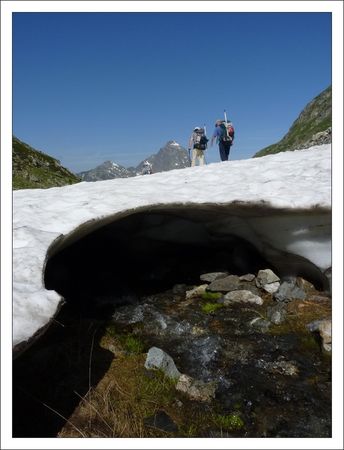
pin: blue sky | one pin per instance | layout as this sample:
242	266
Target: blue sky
91	87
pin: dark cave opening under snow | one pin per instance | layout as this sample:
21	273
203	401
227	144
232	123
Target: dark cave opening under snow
154	248
112	260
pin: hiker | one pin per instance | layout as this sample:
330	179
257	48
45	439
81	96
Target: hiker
147	168
198	143
224	134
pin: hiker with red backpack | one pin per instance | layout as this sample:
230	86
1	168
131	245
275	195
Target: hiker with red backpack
224	135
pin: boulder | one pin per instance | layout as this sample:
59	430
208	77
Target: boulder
158	359
226	284
210	277
268	280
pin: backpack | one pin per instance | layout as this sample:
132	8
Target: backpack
227	132
200	139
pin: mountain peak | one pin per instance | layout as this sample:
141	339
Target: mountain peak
172	143
171	156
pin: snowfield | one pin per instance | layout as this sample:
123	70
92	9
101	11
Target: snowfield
292	181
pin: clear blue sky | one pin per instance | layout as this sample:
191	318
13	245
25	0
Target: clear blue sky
91	87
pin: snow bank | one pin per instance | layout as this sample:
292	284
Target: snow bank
291	181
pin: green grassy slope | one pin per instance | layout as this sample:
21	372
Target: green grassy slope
34	169
316	117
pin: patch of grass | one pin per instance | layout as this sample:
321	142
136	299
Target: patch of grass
211	295
230	422
209	308
315	117
33	169
299	314
125	342
132	344
122	400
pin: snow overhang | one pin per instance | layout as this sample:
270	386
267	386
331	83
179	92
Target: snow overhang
292	242
285	222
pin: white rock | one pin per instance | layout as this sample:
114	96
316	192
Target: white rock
197	291
242	296
158	359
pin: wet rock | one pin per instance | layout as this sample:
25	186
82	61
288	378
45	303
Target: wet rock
202	355
324	327
130	314
226	284
247	277
242	296
288	291
198	331
162	421
210	277
260	324
281	367
277	314
267	280
197	291
195	389
158	359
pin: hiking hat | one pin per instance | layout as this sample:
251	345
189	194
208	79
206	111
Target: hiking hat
196	128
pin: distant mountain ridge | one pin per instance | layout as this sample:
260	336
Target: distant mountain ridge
32	168
171	156
312	127
106	171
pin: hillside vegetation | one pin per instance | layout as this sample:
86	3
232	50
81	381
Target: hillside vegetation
312	127
34	169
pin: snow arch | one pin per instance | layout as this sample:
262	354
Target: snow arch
157	246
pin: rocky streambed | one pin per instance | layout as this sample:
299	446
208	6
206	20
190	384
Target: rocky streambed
247	356
233	356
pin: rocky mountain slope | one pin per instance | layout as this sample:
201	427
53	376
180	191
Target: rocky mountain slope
106	171
171	156
32	168
312	127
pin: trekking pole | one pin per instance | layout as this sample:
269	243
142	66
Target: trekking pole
224	111
205	134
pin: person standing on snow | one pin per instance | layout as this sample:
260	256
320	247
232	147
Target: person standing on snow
222	137
198	144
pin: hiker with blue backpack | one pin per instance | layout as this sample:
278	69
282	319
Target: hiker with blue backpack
224	135
198	142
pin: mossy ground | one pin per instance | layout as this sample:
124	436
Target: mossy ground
128	395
